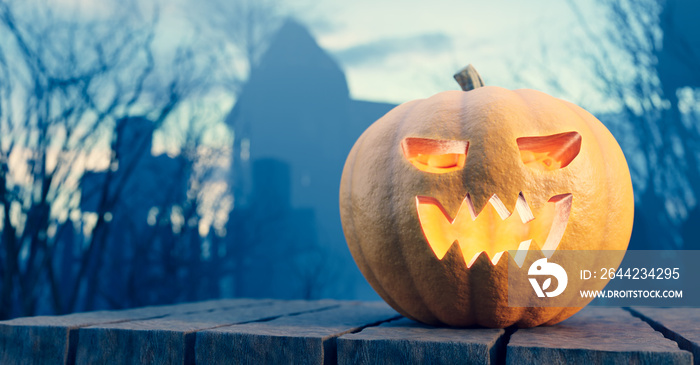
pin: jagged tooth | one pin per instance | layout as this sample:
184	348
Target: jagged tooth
561	219
524	209
496	257
501	209
473	260
503	261
481	261
523	257
484	256
536	252
520	255
470	205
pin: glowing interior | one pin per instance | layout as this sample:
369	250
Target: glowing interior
494	230
435	156
549	152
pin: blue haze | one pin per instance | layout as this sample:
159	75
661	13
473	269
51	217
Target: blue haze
294	123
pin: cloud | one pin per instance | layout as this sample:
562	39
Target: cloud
383	48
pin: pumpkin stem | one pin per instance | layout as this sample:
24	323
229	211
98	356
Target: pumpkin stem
468	78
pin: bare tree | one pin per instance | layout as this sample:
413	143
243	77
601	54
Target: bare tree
178	247
660	142
175	248
73	83
64	84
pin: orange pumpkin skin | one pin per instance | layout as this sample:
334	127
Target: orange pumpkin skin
379	189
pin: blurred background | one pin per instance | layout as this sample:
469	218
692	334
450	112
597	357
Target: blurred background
157	152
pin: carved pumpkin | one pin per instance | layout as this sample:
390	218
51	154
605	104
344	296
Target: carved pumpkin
435	193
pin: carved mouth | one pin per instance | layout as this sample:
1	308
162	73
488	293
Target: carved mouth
495	229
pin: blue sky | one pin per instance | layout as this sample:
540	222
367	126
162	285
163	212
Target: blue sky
396	52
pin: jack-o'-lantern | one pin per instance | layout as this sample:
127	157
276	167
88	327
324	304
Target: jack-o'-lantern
436	192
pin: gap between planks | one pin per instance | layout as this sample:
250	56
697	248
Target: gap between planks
682	342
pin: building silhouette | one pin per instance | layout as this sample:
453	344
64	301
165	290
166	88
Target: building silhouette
296	109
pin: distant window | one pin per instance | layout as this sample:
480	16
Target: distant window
245	149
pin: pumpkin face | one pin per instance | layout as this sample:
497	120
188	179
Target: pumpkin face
435	193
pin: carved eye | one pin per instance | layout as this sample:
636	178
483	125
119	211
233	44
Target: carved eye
434	155
549	152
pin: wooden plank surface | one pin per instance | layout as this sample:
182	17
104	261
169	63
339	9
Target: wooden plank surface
330	331
170	339
408	342
593	336
45	339
301	339
679	324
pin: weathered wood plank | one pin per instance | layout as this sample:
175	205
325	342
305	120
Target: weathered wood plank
268	331
170	340
52	339
408	342
679	324
595	336
302	339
